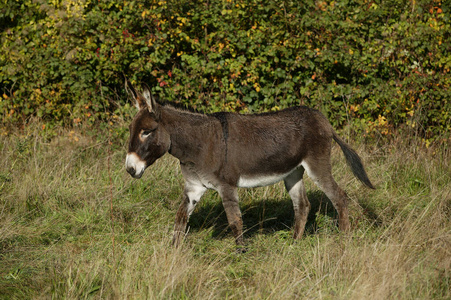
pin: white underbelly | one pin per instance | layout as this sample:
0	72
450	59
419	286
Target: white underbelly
260	180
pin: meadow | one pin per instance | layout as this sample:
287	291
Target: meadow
75	225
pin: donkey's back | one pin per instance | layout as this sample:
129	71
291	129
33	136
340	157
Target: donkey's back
264	148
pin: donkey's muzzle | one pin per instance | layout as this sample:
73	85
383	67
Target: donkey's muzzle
131	171
134	165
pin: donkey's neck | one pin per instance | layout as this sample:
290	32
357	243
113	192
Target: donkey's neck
190	132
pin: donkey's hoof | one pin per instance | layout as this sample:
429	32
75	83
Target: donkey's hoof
241	250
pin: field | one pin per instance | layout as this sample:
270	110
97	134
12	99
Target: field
75	225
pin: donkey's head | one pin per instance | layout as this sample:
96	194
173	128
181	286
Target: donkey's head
148	138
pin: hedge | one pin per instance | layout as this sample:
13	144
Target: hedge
381	66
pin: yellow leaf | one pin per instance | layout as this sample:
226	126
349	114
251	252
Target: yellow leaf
257	87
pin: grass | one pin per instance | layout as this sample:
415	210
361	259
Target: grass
74	225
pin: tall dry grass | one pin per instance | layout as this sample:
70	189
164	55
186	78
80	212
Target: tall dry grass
74	225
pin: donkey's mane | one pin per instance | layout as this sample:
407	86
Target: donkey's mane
190	110
180	107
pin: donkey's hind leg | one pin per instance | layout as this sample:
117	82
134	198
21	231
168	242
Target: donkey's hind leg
320	171
296	189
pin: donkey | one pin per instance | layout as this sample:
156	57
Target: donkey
223	151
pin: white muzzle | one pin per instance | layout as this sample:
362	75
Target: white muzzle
134	165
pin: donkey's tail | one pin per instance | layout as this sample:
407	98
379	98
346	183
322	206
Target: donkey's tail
354	161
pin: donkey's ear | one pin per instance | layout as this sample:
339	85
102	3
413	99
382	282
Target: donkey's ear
137	99
151	103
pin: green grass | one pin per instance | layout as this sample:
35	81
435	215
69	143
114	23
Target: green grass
75	225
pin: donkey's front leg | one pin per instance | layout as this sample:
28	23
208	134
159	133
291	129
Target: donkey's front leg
191	196
229	197
181	219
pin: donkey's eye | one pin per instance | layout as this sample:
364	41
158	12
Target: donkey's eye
146	133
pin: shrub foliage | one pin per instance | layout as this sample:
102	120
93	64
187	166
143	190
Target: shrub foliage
385	65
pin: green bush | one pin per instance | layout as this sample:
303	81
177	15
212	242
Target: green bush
382	65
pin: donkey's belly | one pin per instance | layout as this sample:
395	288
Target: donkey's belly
247	181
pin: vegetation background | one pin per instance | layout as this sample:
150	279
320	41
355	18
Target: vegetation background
74	225
378	65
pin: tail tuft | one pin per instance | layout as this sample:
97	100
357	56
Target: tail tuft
354	161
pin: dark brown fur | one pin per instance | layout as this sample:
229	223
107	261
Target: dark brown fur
223	150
